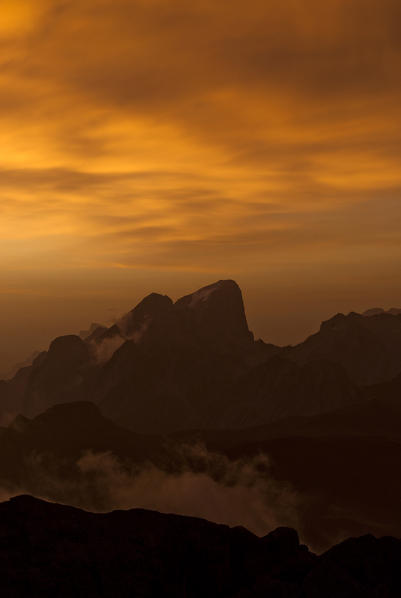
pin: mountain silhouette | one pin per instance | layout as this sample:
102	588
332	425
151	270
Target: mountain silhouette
55	550
369	348
167	366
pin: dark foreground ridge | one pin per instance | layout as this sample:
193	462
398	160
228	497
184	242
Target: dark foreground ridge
48	549
341	474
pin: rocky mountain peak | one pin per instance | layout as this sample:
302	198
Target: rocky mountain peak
217	312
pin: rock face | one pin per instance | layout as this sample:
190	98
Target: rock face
215	314
49	550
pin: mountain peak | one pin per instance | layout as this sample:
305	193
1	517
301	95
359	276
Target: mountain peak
68	347
66	342
153	302
216	313
203	294
152	307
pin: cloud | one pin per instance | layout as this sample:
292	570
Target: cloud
237	493
104	350
240	492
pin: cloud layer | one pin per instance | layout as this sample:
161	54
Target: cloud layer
240	492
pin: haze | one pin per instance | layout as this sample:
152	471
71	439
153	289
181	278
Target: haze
160	146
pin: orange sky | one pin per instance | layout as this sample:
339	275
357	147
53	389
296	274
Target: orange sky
163	144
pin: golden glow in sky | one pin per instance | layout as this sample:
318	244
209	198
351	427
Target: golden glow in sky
160	145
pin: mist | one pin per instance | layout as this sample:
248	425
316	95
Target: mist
234	493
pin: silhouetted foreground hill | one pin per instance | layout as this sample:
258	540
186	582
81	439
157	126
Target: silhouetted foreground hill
49	550
194	364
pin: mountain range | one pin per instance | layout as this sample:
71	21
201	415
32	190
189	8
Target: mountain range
176	407
194	363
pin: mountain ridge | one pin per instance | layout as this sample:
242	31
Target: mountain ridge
52	549
194	363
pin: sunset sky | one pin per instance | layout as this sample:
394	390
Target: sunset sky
160	145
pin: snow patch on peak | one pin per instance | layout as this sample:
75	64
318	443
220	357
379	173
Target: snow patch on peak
202	295
224	287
